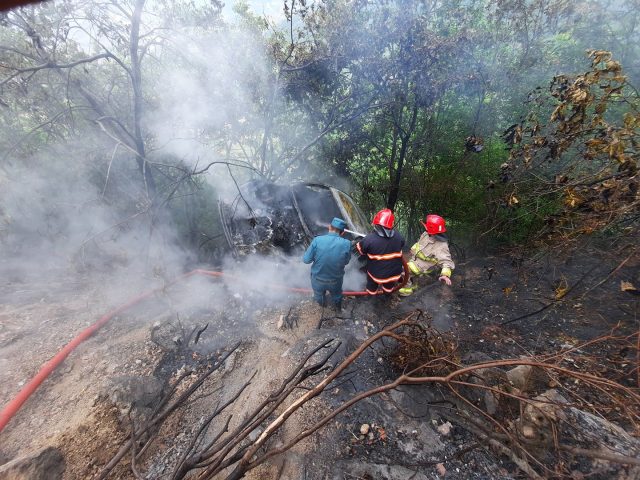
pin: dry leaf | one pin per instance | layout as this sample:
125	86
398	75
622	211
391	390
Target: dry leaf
628	287
561	290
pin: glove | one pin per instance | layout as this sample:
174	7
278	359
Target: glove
445	279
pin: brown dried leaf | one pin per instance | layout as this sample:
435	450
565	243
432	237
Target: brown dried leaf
561	289
595	142
612	65
579	96
558	113
599	56
572	199
517	136
628	287
630	120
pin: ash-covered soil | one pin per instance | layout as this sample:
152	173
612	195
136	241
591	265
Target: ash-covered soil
499	307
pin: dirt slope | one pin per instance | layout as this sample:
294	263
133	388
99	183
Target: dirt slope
82	409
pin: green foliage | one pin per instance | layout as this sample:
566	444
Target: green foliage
519	224
382	94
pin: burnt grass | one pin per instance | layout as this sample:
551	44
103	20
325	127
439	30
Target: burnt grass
500	307
511	306
555	301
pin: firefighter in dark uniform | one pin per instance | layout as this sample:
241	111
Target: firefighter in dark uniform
383	249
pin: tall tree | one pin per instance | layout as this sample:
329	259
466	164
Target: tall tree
87	57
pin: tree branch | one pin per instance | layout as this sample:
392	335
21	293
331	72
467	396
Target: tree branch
53	65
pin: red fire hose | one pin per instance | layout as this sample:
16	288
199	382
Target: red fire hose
9	411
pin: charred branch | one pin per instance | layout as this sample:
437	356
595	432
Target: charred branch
163	411
52	65
423	356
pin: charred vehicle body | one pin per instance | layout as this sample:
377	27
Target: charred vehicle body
276	219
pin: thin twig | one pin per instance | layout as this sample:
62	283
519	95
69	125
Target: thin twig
610	274
554	302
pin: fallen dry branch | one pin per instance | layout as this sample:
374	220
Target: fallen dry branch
510	441
162	412
555	301
534	428
218	456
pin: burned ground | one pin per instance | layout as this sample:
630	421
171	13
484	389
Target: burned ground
501	307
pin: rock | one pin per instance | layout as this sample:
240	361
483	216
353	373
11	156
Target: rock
491	377
593	431
445	428
441	470
489	401
543	411
527	431
364	428
124	391
254	434
484	376
550	418
45	464
412	399
527	378
280	324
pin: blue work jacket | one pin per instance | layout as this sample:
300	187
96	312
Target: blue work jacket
329	254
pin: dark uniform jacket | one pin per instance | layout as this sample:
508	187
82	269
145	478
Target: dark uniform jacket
384	256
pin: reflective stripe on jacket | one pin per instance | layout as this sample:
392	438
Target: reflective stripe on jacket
429	252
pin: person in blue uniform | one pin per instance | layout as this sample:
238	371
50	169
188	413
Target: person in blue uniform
329	254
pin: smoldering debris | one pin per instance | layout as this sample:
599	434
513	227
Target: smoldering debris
273	219
262	219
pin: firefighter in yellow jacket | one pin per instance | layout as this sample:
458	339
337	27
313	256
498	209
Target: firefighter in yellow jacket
430	255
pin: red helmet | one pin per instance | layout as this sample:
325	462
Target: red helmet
434	224
384	218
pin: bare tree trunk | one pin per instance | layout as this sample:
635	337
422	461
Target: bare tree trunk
394	190
268	123
136	83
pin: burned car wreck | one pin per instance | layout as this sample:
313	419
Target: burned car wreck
269	219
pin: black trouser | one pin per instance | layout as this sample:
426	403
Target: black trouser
372	286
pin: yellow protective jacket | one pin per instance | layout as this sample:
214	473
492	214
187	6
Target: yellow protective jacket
431	252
